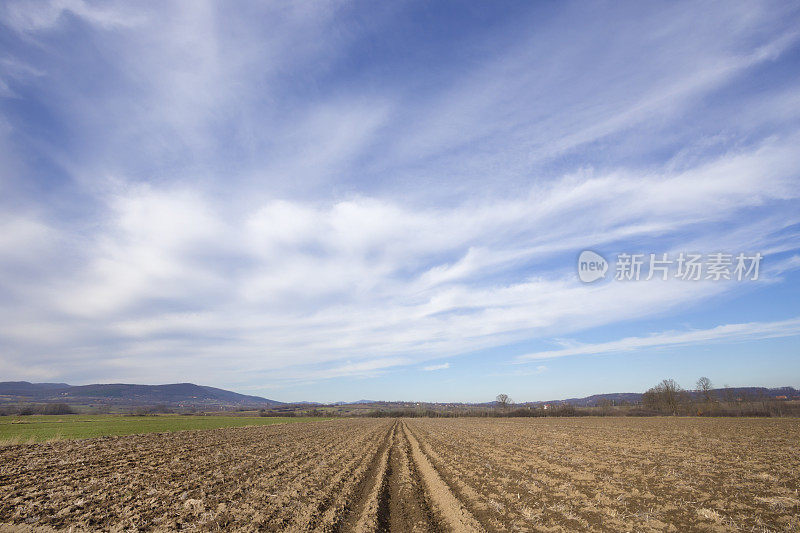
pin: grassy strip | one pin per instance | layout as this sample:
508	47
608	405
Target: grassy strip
18	429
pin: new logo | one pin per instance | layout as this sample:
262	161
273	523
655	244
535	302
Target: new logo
591	266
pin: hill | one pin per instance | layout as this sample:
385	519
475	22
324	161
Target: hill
177	394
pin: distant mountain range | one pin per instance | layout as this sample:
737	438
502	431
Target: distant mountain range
177	394
623	398
734	393
191	395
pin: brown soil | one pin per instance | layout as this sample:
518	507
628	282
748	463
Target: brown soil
661	474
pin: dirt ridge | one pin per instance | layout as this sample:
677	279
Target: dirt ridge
454	513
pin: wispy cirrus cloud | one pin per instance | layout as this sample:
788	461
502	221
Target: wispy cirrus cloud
431	368
725	333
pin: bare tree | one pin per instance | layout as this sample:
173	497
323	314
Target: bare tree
706	389
730	397
503	400
672	394
666	397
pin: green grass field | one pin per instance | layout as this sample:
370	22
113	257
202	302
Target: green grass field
44	427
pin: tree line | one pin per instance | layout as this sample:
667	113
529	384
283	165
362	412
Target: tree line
669	398
665	398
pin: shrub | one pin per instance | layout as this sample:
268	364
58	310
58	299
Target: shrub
57	409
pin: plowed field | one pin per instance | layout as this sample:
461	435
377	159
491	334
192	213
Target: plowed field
598	474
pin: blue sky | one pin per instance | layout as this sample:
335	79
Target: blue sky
342	200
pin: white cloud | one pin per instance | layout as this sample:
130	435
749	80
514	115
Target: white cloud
292	283
431	368
24	237
725	333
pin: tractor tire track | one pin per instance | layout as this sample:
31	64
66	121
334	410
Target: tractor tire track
362	513
402	492
409	508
